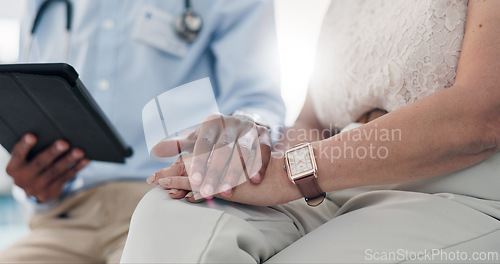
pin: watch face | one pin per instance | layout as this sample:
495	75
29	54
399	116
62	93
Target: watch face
300	161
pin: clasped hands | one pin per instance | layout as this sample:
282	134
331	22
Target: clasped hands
223	153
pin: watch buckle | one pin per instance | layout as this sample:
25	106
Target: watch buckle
316	200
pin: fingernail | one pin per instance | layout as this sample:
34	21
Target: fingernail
197	178
198	196
61	146
77	154
256	177
29	139
189	195
151	179
208	190
173	191
226	189
165	181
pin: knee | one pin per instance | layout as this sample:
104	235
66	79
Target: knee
154	205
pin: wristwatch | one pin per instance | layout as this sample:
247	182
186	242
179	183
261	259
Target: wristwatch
301	168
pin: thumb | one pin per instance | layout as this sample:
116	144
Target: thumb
173	146
167	148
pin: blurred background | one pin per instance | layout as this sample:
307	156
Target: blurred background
298	25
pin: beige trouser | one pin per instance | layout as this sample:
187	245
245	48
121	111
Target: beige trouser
89	227
450	219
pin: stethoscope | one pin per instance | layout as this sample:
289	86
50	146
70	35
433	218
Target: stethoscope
188	25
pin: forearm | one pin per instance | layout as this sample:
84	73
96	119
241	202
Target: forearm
440	134
300	132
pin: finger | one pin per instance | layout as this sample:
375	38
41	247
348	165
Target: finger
234	173
167	148
202	150
176	169
54	190
58	169
176	182
246	145
175	146
178	186
219	159
20	152
193	197
263	156
71	173
254	172
237	171
41	163
177	194
43	160
78	167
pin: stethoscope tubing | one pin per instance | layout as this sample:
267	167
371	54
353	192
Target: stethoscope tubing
38	18
69	19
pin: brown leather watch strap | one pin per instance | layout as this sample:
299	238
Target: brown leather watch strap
309	188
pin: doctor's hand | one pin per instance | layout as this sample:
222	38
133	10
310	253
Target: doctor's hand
45	175
223	152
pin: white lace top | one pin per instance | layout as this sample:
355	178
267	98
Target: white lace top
385	54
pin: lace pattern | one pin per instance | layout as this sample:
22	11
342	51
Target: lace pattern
385	54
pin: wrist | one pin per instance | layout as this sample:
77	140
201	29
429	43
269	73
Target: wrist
287	191
300	164
321	166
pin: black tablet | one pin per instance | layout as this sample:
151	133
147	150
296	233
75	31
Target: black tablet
50	101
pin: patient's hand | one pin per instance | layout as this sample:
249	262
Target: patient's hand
45	175
225	151
274	189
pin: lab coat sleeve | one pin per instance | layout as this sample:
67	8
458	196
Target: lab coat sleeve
246	60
